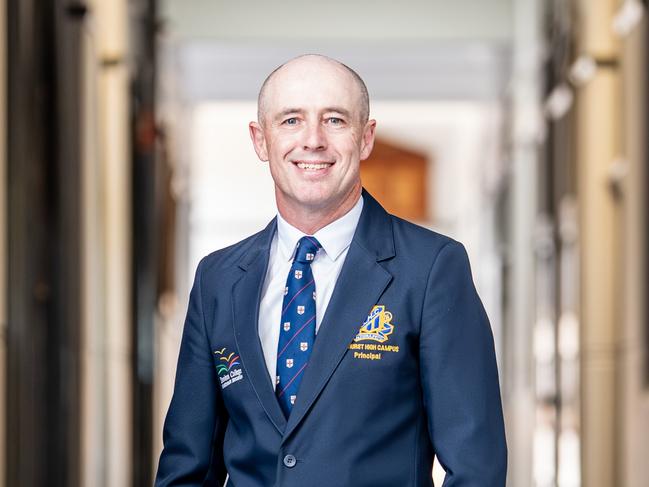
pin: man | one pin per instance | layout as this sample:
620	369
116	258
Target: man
341	346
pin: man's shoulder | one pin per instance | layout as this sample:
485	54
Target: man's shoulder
388	235
421	250
418	238
234	254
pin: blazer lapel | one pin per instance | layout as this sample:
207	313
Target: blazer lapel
246	295
361	282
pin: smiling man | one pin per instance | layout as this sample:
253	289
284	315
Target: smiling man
313	129
340	346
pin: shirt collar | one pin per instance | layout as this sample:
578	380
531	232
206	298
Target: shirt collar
334	238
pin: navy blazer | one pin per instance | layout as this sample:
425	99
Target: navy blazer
403	368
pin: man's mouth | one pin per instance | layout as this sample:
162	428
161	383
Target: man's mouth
313	166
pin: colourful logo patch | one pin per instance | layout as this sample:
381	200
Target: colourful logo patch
377	326
227	368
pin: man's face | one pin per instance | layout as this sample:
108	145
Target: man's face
313	136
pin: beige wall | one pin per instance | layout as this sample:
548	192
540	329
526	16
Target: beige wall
598	146
611	131
634	409
106	348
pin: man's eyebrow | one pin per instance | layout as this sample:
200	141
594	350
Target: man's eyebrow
289	111
340	110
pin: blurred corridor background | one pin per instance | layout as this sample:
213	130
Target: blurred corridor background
519	127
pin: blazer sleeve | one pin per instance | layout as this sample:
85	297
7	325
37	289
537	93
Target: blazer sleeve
459	376
196	419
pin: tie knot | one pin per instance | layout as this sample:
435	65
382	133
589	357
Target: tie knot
307	247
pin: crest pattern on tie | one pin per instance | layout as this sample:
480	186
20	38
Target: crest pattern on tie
297	331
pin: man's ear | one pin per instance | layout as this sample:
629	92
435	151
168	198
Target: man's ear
367	143
258	140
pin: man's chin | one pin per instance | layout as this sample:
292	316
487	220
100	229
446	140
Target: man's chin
316	199
307	201
313	202
322	203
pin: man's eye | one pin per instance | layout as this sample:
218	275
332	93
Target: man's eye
335	120
290	121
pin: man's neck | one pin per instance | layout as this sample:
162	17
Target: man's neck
309	220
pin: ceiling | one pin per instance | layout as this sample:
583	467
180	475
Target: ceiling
360	20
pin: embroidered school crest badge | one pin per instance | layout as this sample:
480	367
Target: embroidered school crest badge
377	327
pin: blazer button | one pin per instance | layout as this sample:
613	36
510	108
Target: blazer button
290	461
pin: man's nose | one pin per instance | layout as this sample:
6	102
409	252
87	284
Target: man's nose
315	137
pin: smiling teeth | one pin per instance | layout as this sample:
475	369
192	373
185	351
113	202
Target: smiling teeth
304	165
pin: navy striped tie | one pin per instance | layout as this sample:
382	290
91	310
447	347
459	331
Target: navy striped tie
297	332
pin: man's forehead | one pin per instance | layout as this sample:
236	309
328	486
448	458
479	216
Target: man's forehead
307	72
311	84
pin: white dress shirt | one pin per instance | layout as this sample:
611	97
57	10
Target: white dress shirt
335	239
